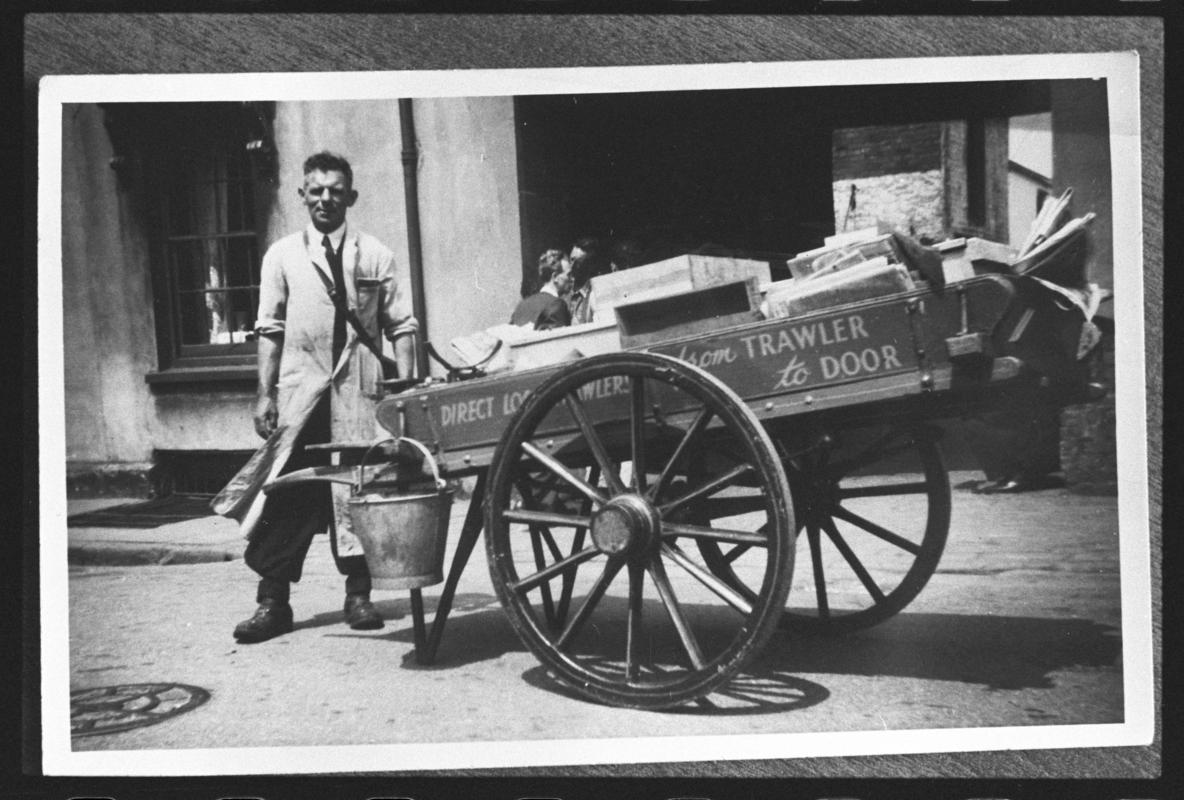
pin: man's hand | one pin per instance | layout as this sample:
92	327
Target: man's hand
266	415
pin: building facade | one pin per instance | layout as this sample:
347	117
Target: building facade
168	207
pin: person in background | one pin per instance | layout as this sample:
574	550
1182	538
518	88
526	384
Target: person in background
589	258
316	376
545	309
1017	447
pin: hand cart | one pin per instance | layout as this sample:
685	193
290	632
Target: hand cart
642	508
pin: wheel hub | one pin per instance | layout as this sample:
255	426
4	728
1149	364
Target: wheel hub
627	524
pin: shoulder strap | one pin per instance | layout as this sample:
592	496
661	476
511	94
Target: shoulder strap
338	298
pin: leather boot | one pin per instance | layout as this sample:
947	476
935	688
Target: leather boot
271	619
360	613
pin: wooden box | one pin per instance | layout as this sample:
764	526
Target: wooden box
873	279
677	275
698	311
965	258
806	264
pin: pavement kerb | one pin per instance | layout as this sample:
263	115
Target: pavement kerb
91	554
207	539
204	540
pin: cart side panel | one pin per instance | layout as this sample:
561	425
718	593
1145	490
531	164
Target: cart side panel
859	353
467	415
803	354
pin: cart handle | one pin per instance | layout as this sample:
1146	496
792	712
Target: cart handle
361	469
461	373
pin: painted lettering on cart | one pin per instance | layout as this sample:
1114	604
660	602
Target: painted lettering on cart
466	411
597	390
823	350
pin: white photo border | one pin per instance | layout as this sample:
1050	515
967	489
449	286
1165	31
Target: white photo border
1120	70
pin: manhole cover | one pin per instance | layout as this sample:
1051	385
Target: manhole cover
110	709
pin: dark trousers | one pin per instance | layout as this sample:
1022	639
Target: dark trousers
291	517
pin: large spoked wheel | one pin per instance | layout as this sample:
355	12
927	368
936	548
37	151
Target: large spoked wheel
589	530
875	507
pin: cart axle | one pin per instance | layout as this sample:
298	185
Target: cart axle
627	524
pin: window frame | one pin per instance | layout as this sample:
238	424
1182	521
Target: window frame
146	130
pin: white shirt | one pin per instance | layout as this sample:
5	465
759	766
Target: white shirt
335	236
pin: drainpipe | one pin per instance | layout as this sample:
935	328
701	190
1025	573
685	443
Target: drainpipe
414	245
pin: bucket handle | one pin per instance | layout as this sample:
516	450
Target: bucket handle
440	482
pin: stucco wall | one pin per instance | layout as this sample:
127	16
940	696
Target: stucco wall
467	175
470	231
468	190
366	132
109	342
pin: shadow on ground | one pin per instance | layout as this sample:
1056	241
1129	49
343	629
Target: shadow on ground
994	651
762	691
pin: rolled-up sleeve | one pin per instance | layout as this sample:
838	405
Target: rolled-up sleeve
273	295
398	317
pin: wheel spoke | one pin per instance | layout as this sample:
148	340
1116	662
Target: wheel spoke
873	528
856	565
539	530
532	517
540	562
611	474
749	538
549	540
709	488
637	430
675	435
721	589
697	426
736	552
563	472
819	577
569	579
885	490
547	573
590	602
685	635
633	623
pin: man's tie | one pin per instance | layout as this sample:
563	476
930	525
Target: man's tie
335	266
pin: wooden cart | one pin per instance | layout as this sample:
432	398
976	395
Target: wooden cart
642	509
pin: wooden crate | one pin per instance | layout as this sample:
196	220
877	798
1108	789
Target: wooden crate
677	275
965	258
698	311
874	279
805	264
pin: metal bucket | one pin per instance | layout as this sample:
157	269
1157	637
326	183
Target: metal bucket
403	535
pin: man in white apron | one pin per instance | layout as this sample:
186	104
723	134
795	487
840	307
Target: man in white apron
317	379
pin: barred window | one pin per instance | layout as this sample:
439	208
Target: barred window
205	170
210	244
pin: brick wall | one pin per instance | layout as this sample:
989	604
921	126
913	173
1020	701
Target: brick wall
886	150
